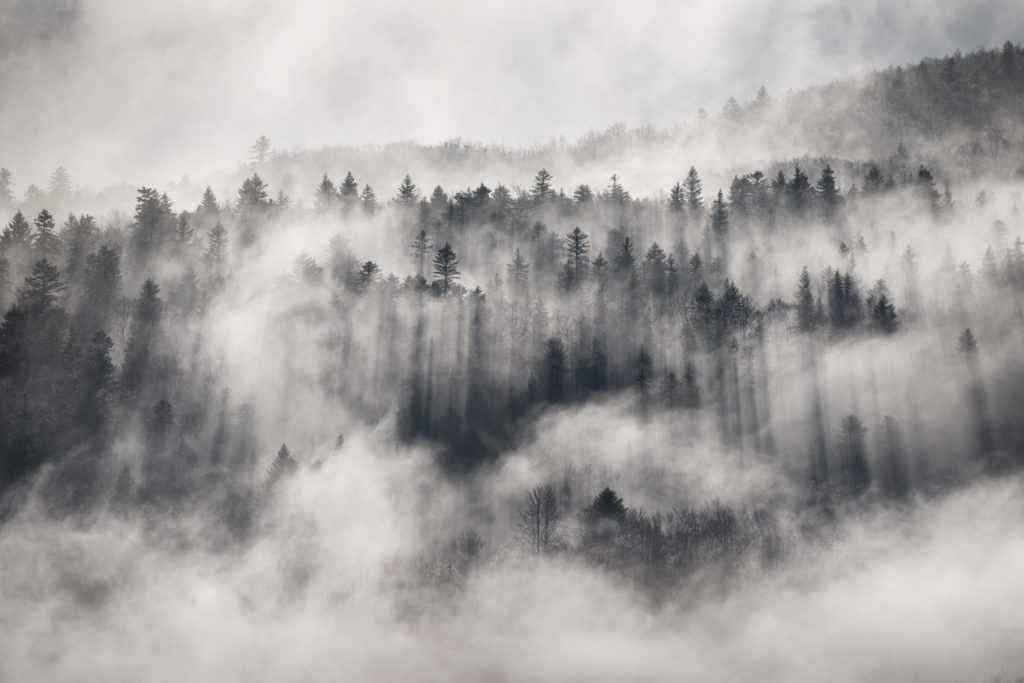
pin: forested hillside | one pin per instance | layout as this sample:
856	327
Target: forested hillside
812	320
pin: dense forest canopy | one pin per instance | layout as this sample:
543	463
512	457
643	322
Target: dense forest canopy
681	388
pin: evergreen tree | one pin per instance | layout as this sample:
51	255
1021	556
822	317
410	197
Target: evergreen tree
368	198
407	195
693	189
805	311
518	272
542	192
17	236
856	477
608	505
216	252
799	192
348	192
577	245
617	195
654	270
881	308
827	193
625	261
152	225
42	287
6	196
102	288
260	151
145	325
46	244
719	219
208	206
925	185
967	344
326	195
677	198
446	270
252	196
420	248
60	186
583	196
873	182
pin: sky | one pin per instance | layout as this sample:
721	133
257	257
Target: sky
146	92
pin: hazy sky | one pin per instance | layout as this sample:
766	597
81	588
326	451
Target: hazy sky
143	92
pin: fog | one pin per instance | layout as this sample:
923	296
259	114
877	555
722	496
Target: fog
122	92
452	378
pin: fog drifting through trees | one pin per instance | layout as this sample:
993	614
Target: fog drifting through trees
602	411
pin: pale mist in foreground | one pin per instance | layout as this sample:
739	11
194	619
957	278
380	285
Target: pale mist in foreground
735	398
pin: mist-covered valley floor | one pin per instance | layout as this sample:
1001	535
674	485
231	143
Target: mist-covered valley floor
468	412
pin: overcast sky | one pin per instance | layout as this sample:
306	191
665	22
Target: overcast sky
145	91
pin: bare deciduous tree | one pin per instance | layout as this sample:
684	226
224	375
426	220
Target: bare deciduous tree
538	516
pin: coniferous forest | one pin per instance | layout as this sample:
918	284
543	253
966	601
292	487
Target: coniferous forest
602	409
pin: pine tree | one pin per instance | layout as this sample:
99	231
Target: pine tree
608	505
677	198
420	248
583	196
542	192
368	198
446	270
46	244
625	261
260	150
17	236
617	195
577	245
348	192
799	192
407	195
518	272
873	182
208	206
42	287
828	195
216	252
145	325
326	195
252	196
6	196
693	189
284	465
967	344
856	476
182	237
719	219
60	186
654	270
805	312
